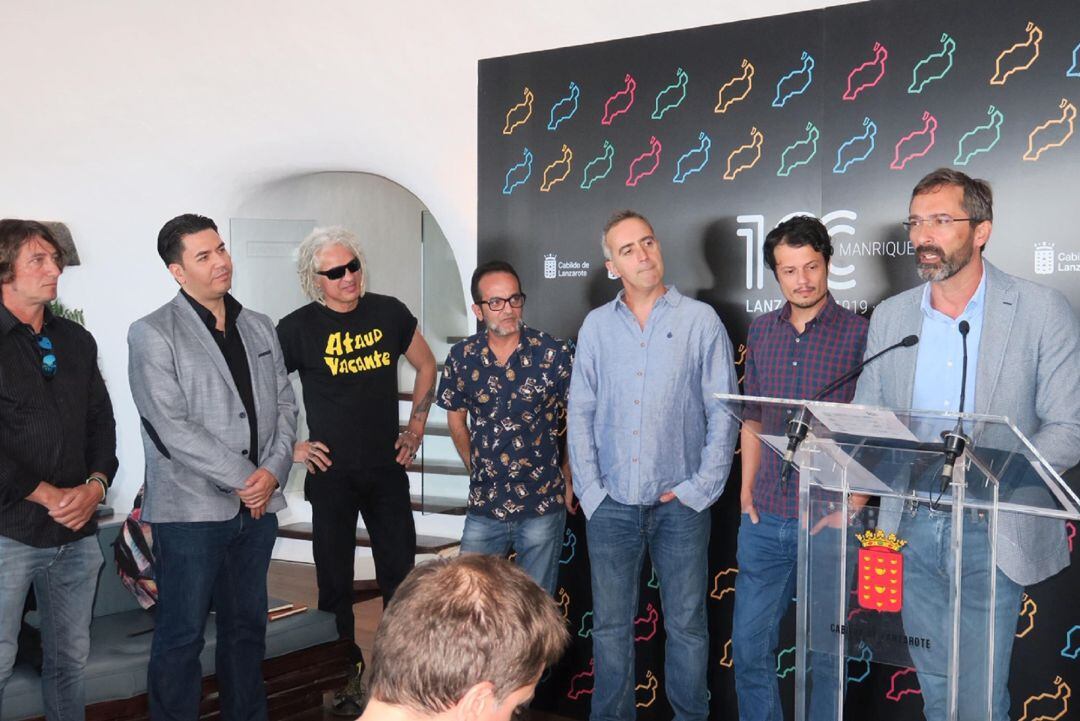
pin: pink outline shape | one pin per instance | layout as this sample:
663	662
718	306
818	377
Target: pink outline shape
574	694
881	54
631	86
651	617
632	180
892	693
1071	535
929	126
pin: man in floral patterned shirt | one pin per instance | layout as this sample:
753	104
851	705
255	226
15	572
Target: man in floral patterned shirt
512	381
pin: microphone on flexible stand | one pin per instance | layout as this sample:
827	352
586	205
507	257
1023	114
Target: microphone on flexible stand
799	426
955	440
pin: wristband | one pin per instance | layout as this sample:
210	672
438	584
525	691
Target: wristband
104	488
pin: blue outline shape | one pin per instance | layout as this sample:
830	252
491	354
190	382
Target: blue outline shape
866	655
812	136
948	48
704	143
575	93
609	155
808	68
682	79
1074	71
569	542
581	631
870	134
654	582
1075	652
787	669
994	114
527	162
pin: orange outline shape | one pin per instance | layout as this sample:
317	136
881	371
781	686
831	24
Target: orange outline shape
1035	35
567	156
651	684
716	592
727	660
1068	115
748	75
1064	692
508	129
1028	610
564	603
757	140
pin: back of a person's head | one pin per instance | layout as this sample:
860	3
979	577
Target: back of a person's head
456	623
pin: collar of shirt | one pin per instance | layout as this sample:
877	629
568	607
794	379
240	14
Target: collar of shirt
671	297
828	313
973	309
485	349
232	310
8	321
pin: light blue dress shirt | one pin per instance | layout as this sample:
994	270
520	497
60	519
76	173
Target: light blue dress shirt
642	419
940	364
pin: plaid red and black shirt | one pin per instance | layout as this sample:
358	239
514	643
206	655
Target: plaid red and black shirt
783	363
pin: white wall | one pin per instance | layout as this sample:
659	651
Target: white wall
119	114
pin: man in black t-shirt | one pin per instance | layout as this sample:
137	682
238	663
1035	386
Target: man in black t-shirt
346	346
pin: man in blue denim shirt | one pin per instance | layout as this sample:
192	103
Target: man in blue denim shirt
650	448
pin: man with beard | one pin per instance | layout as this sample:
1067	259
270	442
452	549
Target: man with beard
793	352
1023	347
513	382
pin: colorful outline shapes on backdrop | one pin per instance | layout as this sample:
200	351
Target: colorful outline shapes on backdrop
1074	69
783	670
650	685
903	683
802	151
1028	610
980	139
640	166
648	624
672	96
726	658
1018	57
746	156
934	66
915	144
739	87
695	159
868	74
794	83
865	657
564	603
1050	706
1053	133
623	100
519	173
565	108
859	147
562	165
586	628
569	541
1072	644
609	156
728	575
577	683
519	114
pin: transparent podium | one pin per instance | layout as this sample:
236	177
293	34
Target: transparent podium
906	584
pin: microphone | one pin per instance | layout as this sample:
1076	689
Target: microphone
955	440
799	426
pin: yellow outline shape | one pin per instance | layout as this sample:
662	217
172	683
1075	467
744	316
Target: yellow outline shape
727	660
1065	106
567	156
748	74
1032	30
1030	615
564	603
716	584
651	684
1060	685
508	129
757	142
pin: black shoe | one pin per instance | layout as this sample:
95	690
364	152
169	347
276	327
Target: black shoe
351	700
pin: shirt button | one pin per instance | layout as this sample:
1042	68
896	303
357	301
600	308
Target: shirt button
794	363
637	402
635	433
642	345
243	415
634	460
243	453
798	340
948	364
639	374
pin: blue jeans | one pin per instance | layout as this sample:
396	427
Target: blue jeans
767	555
928	565
537	540
219	564
64	580
677	539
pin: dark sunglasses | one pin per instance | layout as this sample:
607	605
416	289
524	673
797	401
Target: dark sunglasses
48	357
338	272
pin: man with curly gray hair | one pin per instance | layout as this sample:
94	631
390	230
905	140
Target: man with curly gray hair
345	345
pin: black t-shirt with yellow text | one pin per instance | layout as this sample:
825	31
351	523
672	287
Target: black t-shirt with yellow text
348	368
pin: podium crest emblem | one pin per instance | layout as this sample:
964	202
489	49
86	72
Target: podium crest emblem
881	571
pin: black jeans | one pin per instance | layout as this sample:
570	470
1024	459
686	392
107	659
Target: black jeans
381	497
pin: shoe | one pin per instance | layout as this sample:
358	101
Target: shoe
351	700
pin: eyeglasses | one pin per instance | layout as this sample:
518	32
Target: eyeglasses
338	272
934	221
516	301
48	357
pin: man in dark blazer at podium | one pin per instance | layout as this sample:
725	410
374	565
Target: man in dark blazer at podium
219	421
1024	362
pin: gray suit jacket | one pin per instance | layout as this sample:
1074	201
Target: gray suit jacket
194	428
1028	370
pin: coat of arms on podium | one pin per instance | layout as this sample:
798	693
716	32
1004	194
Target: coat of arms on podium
881	571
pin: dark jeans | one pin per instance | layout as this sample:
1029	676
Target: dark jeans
381	497
199	566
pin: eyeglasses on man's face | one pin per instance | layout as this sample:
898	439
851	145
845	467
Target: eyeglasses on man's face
516	301
942	221
338	271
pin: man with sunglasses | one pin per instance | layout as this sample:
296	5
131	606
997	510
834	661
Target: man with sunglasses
345	345
1023	349
512	381
57	456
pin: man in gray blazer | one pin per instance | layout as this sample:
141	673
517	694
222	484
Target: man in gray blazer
1024	362
218	425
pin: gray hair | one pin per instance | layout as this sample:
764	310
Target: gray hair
307	261
614	220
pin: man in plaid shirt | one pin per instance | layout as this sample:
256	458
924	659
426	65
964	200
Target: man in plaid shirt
794	352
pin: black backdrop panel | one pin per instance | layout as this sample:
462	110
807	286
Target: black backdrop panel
716	134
